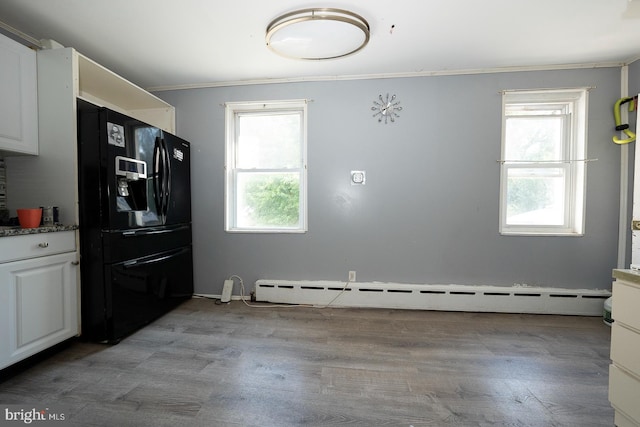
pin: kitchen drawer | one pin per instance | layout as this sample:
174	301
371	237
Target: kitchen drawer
625	348
13	248
626	300
624	390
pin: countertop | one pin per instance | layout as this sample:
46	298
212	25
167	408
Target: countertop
18	231
628	275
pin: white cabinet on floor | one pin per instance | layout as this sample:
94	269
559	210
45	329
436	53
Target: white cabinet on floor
624	371
39	289
18	99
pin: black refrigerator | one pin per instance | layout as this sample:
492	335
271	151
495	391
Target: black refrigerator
136	259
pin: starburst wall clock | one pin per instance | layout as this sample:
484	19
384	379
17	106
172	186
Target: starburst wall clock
386	108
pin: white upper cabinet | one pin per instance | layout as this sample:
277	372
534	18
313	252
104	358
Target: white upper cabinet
18	99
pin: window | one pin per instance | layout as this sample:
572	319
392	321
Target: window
266	166
542	181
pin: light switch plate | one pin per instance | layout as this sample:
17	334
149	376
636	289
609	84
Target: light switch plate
358	177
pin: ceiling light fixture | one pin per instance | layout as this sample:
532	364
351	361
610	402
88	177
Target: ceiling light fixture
317	34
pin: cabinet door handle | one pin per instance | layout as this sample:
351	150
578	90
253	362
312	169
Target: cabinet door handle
43	245
75	262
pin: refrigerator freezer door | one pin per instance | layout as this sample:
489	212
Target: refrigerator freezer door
120	246
141	290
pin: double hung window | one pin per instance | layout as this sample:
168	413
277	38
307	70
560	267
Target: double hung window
542	181
266	166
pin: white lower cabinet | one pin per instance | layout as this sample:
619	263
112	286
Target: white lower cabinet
39	304
624	371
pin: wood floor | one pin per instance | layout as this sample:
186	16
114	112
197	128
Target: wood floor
229	365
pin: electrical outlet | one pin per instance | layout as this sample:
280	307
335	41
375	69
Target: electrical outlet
352	276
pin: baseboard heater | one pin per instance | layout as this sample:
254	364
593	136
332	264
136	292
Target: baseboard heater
498	299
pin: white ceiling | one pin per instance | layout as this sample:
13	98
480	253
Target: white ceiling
168	43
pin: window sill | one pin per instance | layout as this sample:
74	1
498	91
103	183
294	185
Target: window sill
264	231
541	233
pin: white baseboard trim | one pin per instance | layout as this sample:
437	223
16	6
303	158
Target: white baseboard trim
481	298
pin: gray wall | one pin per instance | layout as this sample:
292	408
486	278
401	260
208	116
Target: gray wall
429	210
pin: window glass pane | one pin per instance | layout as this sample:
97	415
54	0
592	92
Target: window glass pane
269	141
534	138
266	200
535	196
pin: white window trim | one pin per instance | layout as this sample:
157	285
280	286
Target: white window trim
574	162
233	108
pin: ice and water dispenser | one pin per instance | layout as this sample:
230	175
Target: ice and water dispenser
131	182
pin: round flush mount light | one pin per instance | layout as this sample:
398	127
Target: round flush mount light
317	34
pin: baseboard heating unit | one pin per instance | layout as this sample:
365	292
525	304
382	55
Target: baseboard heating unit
498	299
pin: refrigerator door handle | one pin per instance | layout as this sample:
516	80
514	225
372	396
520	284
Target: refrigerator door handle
167	179
158	172
147	232
134	264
